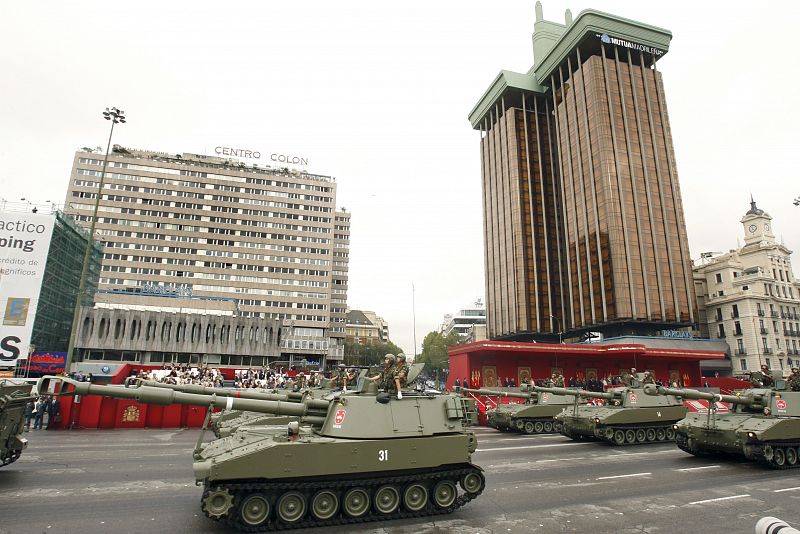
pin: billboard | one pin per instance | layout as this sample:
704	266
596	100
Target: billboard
47	363
24	243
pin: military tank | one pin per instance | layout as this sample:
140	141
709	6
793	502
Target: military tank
762	425
14	395
535	416
627	416
349	458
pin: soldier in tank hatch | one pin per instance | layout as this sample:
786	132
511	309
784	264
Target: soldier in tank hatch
385	377
400	374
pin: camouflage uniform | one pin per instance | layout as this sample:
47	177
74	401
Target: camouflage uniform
401	371
648	379
559	381
385	379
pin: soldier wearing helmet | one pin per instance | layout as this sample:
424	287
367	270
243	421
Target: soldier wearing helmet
386	376
400	374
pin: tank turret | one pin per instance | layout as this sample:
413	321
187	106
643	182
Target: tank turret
14	396
621	416
350	457
763	424
535	416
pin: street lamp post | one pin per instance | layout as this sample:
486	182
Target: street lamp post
115	116
560	332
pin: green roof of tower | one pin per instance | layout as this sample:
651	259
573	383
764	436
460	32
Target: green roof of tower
554	41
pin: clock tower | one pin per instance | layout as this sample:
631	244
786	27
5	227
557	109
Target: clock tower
757	225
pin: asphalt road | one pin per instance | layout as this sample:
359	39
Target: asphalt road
134	481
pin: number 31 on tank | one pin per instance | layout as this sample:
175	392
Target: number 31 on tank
383	455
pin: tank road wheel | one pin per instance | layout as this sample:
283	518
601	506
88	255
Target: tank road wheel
791	455
444	493
415	497
255	509
558	426
630	436
325	504
670	434
778	456
619	437
217	502
641	435
291	507
538	426
529	429
650	434
548	427
472	482
356	502
386	499
661	434
520	425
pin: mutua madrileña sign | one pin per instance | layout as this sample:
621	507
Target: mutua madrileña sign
647	49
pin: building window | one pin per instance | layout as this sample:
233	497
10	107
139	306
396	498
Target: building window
737	328
721	330
735	312
740	346
743	363
768	363
719	314
719	278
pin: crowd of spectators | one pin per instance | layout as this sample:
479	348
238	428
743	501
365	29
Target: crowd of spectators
263	377
179	375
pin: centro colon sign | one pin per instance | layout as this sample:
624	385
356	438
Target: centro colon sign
254	154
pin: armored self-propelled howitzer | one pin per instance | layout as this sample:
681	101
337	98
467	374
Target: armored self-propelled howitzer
535	416
350	457
627	416
763	424
14	395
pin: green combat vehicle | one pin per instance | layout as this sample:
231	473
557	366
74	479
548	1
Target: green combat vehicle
535	416
350	457
763	425
14	395
628	416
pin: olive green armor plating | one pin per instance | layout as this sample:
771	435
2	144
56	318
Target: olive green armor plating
763	425
349	457
14	396
535	416
627	417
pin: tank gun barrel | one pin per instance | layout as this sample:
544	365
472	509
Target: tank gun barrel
652	389
166	396
221	392
494	393
575	392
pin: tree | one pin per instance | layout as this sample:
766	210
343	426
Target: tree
434	349
368	353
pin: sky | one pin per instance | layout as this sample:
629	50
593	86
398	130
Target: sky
377	95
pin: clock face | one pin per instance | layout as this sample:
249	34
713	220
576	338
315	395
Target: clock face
752	228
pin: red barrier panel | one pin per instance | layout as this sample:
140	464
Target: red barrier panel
194	416
89	416
155	416
172	416
108	413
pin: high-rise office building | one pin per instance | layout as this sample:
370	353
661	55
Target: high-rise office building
583	220
189	232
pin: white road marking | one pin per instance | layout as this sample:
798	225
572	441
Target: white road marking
786	489
696	468
625	476
721	499
567	444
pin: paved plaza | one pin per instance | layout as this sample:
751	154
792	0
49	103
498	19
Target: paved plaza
133	481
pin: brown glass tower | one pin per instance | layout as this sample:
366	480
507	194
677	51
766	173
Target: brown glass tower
583	220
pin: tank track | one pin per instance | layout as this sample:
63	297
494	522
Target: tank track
555	426
759	453
669	434
10	457
682	441
309	487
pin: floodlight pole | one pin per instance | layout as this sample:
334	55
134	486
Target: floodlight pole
114	115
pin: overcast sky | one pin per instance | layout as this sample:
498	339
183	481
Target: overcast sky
377	94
